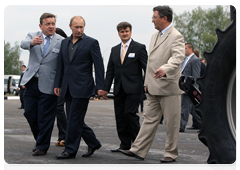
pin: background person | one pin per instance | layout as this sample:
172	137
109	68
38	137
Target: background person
191	67
61	116
22	88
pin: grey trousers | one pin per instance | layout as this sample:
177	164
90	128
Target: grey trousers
188	108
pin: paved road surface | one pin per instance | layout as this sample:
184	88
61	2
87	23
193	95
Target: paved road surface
18	140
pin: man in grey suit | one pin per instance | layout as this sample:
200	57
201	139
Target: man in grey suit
39	98
190	67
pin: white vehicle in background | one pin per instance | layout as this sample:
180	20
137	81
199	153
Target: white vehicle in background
11	84
110	94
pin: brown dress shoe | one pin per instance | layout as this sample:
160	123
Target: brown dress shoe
167	160
39	152
129	153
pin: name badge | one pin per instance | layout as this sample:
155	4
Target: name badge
131	55
55	50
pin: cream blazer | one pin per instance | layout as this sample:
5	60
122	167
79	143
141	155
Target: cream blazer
168	54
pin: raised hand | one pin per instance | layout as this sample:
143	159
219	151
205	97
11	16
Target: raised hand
36	41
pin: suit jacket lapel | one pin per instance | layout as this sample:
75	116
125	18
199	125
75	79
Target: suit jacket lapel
162	39
42	46
128	51
53	42
189	61
118	54
80	46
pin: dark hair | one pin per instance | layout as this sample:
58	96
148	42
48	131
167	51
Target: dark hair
23	66
46	15
164	11
196	52
124	25
190	46
61	32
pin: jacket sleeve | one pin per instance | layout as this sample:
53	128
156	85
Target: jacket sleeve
110	73
26	43
143	59
196	70
98	65
177	57
60	69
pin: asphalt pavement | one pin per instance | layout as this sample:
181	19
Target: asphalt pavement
18	140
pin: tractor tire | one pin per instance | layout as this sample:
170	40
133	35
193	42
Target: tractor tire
218	98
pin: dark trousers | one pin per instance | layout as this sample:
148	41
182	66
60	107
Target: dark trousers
40	111
61	119
76	128
21	97
127	120
197	121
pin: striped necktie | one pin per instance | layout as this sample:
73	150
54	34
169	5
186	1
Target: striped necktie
46	46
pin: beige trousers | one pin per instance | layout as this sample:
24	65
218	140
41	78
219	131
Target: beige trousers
170	107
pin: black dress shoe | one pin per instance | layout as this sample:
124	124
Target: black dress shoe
193	128
34	148
181	130
65	155
115	150
167	160
21	108
91	150
129	153
39	152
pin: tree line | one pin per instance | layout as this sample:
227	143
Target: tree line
197	26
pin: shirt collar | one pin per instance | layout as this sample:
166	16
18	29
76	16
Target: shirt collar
127	43
82	36
44	36
190	56
165	29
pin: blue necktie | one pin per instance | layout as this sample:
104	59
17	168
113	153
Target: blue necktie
184	63
46	46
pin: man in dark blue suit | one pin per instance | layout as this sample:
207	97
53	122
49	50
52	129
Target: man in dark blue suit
74	76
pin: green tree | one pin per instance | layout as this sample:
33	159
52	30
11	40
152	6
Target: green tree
12	64
198	26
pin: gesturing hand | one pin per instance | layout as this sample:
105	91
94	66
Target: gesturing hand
36	40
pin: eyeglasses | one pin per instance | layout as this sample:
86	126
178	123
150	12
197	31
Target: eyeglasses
157	17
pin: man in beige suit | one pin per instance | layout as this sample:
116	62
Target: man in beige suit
166	54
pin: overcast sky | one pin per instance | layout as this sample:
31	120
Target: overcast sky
101	21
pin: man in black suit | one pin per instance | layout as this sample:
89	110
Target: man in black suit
22	88
74	76
125	65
